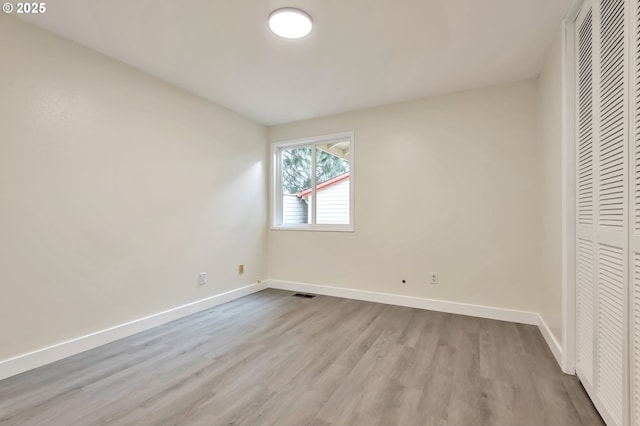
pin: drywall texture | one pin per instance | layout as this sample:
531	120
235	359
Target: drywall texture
116	191
447	184
550	117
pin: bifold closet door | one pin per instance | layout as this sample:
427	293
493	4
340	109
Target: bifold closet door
602	205
585	189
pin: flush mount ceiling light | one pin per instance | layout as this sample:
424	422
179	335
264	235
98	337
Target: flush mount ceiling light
289	22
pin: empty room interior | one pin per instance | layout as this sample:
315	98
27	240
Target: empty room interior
299	212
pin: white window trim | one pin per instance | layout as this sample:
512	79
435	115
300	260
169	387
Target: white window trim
276	188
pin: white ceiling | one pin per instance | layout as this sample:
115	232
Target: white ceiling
361	53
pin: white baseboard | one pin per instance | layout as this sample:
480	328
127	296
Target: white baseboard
521	317
556	348
480	311
12	366
38	358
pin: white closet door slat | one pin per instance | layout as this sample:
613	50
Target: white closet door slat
585	124
584	309
612	117
610	384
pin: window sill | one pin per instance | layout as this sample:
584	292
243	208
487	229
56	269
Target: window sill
314	228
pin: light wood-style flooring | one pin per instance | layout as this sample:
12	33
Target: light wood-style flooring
273	359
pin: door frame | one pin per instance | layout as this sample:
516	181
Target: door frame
568	363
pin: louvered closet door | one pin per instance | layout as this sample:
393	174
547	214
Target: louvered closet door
612	212
602	206
585	187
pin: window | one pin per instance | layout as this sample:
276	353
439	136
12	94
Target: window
313	183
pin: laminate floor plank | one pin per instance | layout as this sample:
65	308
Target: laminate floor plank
272	359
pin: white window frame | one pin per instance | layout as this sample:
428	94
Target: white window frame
276	187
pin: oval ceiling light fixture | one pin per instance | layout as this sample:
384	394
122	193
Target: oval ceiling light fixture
289	22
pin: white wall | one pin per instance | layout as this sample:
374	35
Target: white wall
116	190
550	117
448	184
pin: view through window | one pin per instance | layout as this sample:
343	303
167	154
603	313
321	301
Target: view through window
314	184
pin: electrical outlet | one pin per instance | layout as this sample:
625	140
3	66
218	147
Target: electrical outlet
434	278
241	269
202	279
